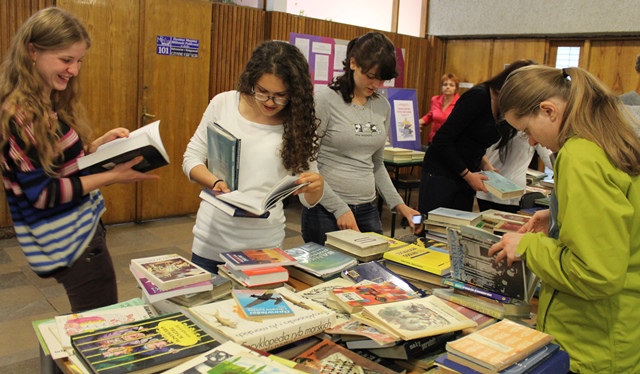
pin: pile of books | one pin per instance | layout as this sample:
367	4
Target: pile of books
317	263
172	277
398	154
253	268
504	347
438	220
363	246
499	222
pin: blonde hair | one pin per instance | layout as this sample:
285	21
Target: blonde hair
21	87
592	111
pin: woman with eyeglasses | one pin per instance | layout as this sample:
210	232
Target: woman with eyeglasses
354	123
272	113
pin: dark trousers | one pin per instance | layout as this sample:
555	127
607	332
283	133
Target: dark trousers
209	265
437	191
317	221
486	205
91	281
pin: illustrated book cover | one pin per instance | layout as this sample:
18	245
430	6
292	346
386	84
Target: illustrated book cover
470	263
211	197
360	330
260	276
405	350
374	271
257	258
242	363
320	294
454	217
144	141
425	259
320	260
206	361
354	298
261	304
500	345
170	271
501	187
417	318
496	216
224	318
72	324
149	345
223	154
259	205
153	293
330	358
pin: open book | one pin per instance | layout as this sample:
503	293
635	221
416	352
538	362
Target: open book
285	187
144	141
223	157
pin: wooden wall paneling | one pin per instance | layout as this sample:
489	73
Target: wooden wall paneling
110	82
613	62
470	59
505	51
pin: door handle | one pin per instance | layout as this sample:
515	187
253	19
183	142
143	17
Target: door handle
148	115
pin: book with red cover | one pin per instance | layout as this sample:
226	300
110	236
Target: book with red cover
257	258
260	276
354	298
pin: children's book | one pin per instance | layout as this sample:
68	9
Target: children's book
145	346
208	360
72	324
153	293
170	271
354	298
257	258
320	260
223	154
211	197
328	357
260	204
498	346
261	304
425	259
500	186
417	318
144	141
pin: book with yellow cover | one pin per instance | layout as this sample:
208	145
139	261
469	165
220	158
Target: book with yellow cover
422	258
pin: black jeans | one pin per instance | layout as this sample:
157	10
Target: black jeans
438	191
317	221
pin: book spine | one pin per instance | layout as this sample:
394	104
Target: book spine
476	290
420	346
491	310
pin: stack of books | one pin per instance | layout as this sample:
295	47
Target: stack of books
504	347
317	263
421	266
363	246
499	222
257	267
438	220
398	154
353	298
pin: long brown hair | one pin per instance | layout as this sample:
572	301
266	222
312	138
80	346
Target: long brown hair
21	87
592	112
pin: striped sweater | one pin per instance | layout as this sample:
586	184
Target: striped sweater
54	221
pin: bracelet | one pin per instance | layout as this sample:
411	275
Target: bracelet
463	174
216	182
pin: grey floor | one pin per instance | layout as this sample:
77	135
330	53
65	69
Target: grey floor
24	297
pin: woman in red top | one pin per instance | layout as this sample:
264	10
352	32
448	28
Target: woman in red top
441	105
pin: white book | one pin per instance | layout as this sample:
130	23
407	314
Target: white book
49	332
170	271
208	360
259	205
211	197
144	141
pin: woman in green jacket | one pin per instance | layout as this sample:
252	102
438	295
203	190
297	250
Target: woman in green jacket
586	249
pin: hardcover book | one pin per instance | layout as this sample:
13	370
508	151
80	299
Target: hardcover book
211	197
259	205
454	217
500	186
374	271
526	365
223	154
170	271
499	346
223	318
221	287
484	305
417	347
144	141
354	298
308	278
417	318
556	363
72	324
328	357
145	346
261	304
416	277
360	244
434	262
320	260
153	293
260	276
257	258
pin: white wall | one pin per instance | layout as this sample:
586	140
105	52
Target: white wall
457	18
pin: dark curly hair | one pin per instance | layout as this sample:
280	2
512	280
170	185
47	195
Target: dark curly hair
371	50
285	61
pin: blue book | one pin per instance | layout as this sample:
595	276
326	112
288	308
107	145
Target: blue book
319	260
260	304
501	187
223	155
476	290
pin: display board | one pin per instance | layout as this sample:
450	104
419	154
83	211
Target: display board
404	131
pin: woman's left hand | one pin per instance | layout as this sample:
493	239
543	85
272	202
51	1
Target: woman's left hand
507	248
408	213
118	132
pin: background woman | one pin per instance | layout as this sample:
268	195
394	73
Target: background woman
441	105
272	112
56	208
354	123
590	269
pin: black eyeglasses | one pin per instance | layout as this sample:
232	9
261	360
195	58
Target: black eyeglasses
264	98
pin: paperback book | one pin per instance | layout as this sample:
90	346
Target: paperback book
526	365
425	259
259	205
416	277
490	307
407	349
308	278
261	304
211	197
149	345
153	293
360	330
249	363
320	294
257	258
208	360
221	287
374	271
169	271
454	217
144	141
260	276
320	260
352	299
223	154
501	187
358	244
